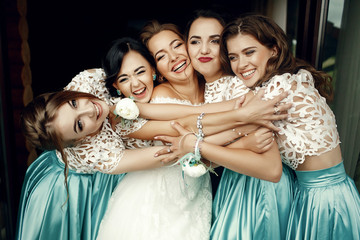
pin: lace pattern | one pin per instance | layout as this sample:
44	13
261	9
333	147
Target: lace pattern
92	81
225	88
103	151
195	196
310	128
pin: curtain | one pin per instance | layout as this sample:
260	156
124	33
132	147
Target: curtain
347	88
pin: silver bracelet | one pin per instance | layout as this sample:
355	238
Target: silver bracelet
199	125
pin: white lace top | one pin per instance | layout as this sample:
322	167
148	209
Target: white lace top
103	151
225	88
310	128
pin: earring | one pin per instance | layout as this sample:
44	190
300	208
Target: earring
154	77
118	92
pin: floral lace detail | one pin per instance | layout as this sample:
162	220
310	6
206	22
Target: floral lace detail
92	81
310	128
101	152
225	88
196	197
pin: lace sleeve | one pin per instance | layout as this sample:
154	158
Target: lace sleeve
310	128
101	152
129	126
92	81
225	88
236	88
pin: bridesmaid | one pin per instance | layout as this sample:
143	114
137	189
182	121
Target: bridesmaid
326	202
237	193
58	215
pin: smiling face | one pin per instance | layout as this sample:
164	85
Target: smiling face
170	55
79	118
248	58
204	49
135	77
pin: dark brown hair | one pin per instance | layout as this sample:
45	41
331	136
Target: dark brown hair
269	34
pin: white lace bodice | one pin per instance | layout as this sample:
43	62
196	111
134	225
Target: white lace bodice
310	128
92	81
103	151
225	88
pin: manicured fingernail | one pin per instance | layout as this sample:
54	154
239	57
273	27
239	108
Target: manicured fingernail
156	155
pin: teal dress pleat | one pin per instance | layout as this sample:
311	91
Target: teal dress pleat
326	206
249	208
46	213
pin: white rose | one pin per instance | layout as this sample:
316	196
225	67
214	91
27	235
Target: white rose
194	171
126	108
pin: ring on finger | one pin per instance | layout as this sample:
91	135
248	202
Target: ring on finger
168	150
276	109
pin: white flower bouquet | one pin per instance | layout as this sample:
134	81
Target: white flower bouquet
127	109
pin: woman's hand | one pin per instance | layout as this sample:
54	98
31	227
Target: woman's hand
113	118
258	141
180	145
263	112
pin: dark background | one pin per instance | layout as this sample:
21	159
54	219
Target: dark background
66	37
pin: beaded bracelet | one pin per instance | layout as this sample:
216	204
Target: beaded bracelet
239	133
199	125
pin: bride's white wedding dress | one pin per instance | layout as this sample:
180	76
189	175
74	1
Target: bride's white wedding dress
153	204
159	203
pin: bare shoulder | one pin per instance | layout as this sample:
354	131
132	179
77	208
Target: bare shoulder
163	90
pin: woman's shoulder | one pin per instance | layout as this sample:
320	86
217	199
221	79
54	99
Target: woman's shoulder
163	90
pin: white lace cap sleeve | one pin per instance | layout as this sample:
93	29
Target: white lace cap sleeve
92	81
310	128
101	152
225	88
129	126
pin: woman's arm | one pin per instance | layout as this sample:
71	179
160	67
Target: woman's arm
254	104
142	159
266	166
168	111
212	123
253	113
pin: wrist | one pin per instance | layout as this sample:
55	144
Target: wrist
189	142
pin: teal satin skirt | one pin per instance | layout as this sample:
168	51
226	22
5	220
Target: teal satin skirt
326	206
46	213
249	208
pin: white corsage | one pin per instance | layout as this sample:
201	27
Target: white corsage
193	168
127	109
191	163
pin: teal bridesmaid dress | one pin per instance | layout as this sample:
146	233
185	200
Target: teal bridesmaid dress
326	206
45	211
249	208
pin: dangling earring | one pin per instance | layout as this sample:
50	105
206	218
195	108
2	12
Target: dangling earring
118	92
154	77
